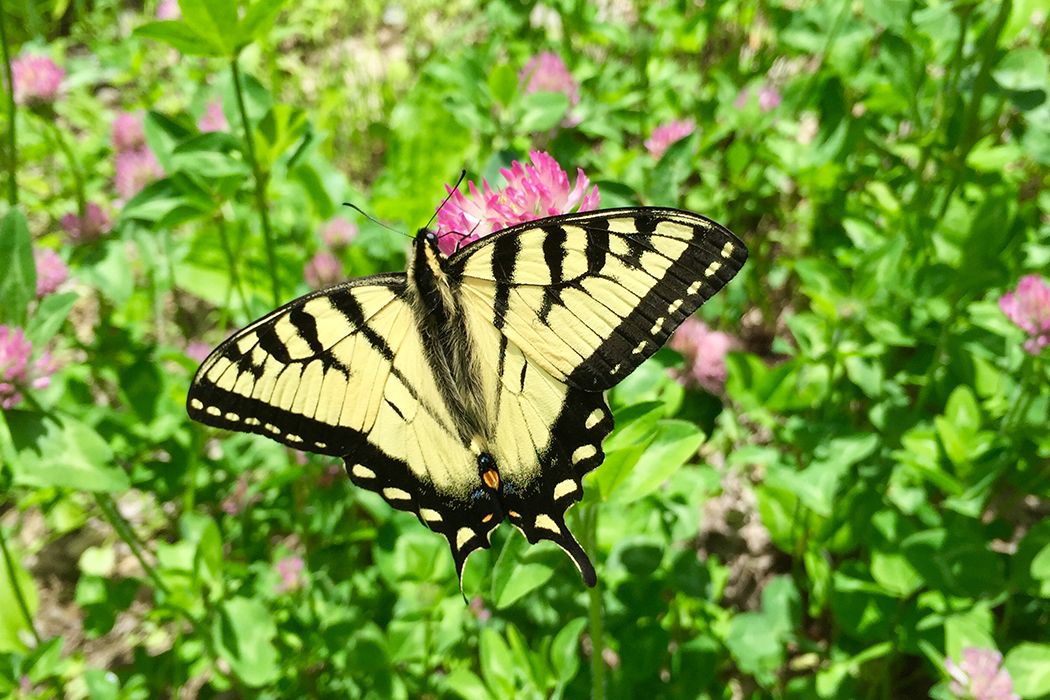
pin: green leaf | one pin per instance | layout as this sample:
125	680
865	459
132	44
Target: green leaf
208	559
757	640
540	111
892	571
181	36
894	14
1023	69
465	683
675	443
959	428
565	650
1029	666
866	374
674	168
208	164
281	128
49	316
640	555
62	452
817	484
636	427
755	650
18	281
946	558
973	628
98	561
862	609
497	664
13	622
257	21
818	571
102	684
215	20
503	83
1040	566
243	636
517	571
962	409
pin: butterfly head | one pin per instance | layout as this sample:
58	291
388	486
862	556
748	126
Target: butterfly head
426	271
426	245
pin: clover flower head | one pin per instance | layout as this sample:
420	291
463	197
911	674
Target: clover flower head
533	191
135	169
37	80
338	233
547	72
51	272
17	372
1029	308
768	98
213	119
705	353
197	351
331	475
666	134
290	569
322	270
238	499
127	133
168	9
87	228
980	676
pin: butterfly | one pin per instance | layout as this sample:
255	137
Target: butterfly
468	389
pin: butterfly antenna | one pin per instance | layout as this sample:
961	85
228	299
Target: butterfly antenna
455	188
371	218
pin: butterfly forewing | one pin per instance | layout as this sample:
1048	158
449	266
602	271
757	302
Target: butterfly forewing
591	296
342	372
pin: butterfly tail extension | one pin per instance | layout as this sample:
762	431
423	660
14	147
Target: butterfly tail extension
574	450
467	524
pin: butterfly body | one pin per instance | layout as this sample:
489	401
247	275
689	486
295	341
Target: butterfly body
469	389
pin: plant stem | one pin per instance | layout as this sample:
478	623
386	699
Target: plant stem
12	153
235	278
260	181
597	630
970	132
74	167
20	597
109	510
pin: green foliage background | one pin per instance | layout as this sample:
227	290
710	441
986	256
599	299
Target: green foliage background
868	496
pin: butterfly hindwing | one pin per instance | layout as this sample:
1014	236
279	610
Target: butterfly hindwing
590	296
547	436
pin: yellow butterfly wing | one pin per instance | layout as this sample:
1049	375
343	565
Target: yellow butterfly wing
342	372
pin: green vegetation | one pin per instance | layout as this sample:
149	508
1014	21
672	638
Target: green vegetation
831	489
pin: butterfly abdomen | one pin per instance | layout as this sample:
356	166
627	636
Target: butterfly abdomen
446	341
